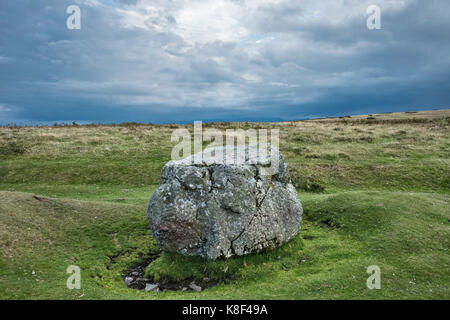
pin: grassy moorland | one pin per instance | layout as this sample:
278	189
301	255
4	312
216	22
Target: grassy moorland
375	191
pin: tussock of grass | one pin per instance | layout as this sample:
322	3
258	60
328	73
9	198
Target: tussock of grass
177	267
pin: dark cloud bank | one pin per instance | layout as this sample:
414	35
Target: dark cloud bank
224	60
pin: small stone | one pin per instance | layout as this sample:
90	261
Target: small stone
135	273
183	289
151	287
195	287
128	280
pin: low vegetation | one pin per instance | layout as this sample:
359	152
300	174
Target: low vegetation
375	191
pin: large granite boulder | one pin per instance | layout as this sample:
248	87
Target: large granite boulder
208	206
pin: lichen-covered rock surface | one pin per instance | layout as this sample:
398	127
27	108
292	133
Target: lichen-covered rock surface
214	207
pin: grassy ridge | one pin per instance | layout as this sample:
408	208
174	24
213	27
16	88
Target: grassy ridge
394	152
375	191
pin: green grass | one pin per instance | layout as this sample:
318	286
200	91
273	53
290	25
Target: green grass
375	192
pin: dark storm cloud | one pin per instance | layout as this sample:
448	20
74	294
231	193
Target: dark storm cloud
167	61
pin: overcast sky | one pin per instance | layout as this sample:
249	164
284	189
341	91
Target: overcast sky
184	60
